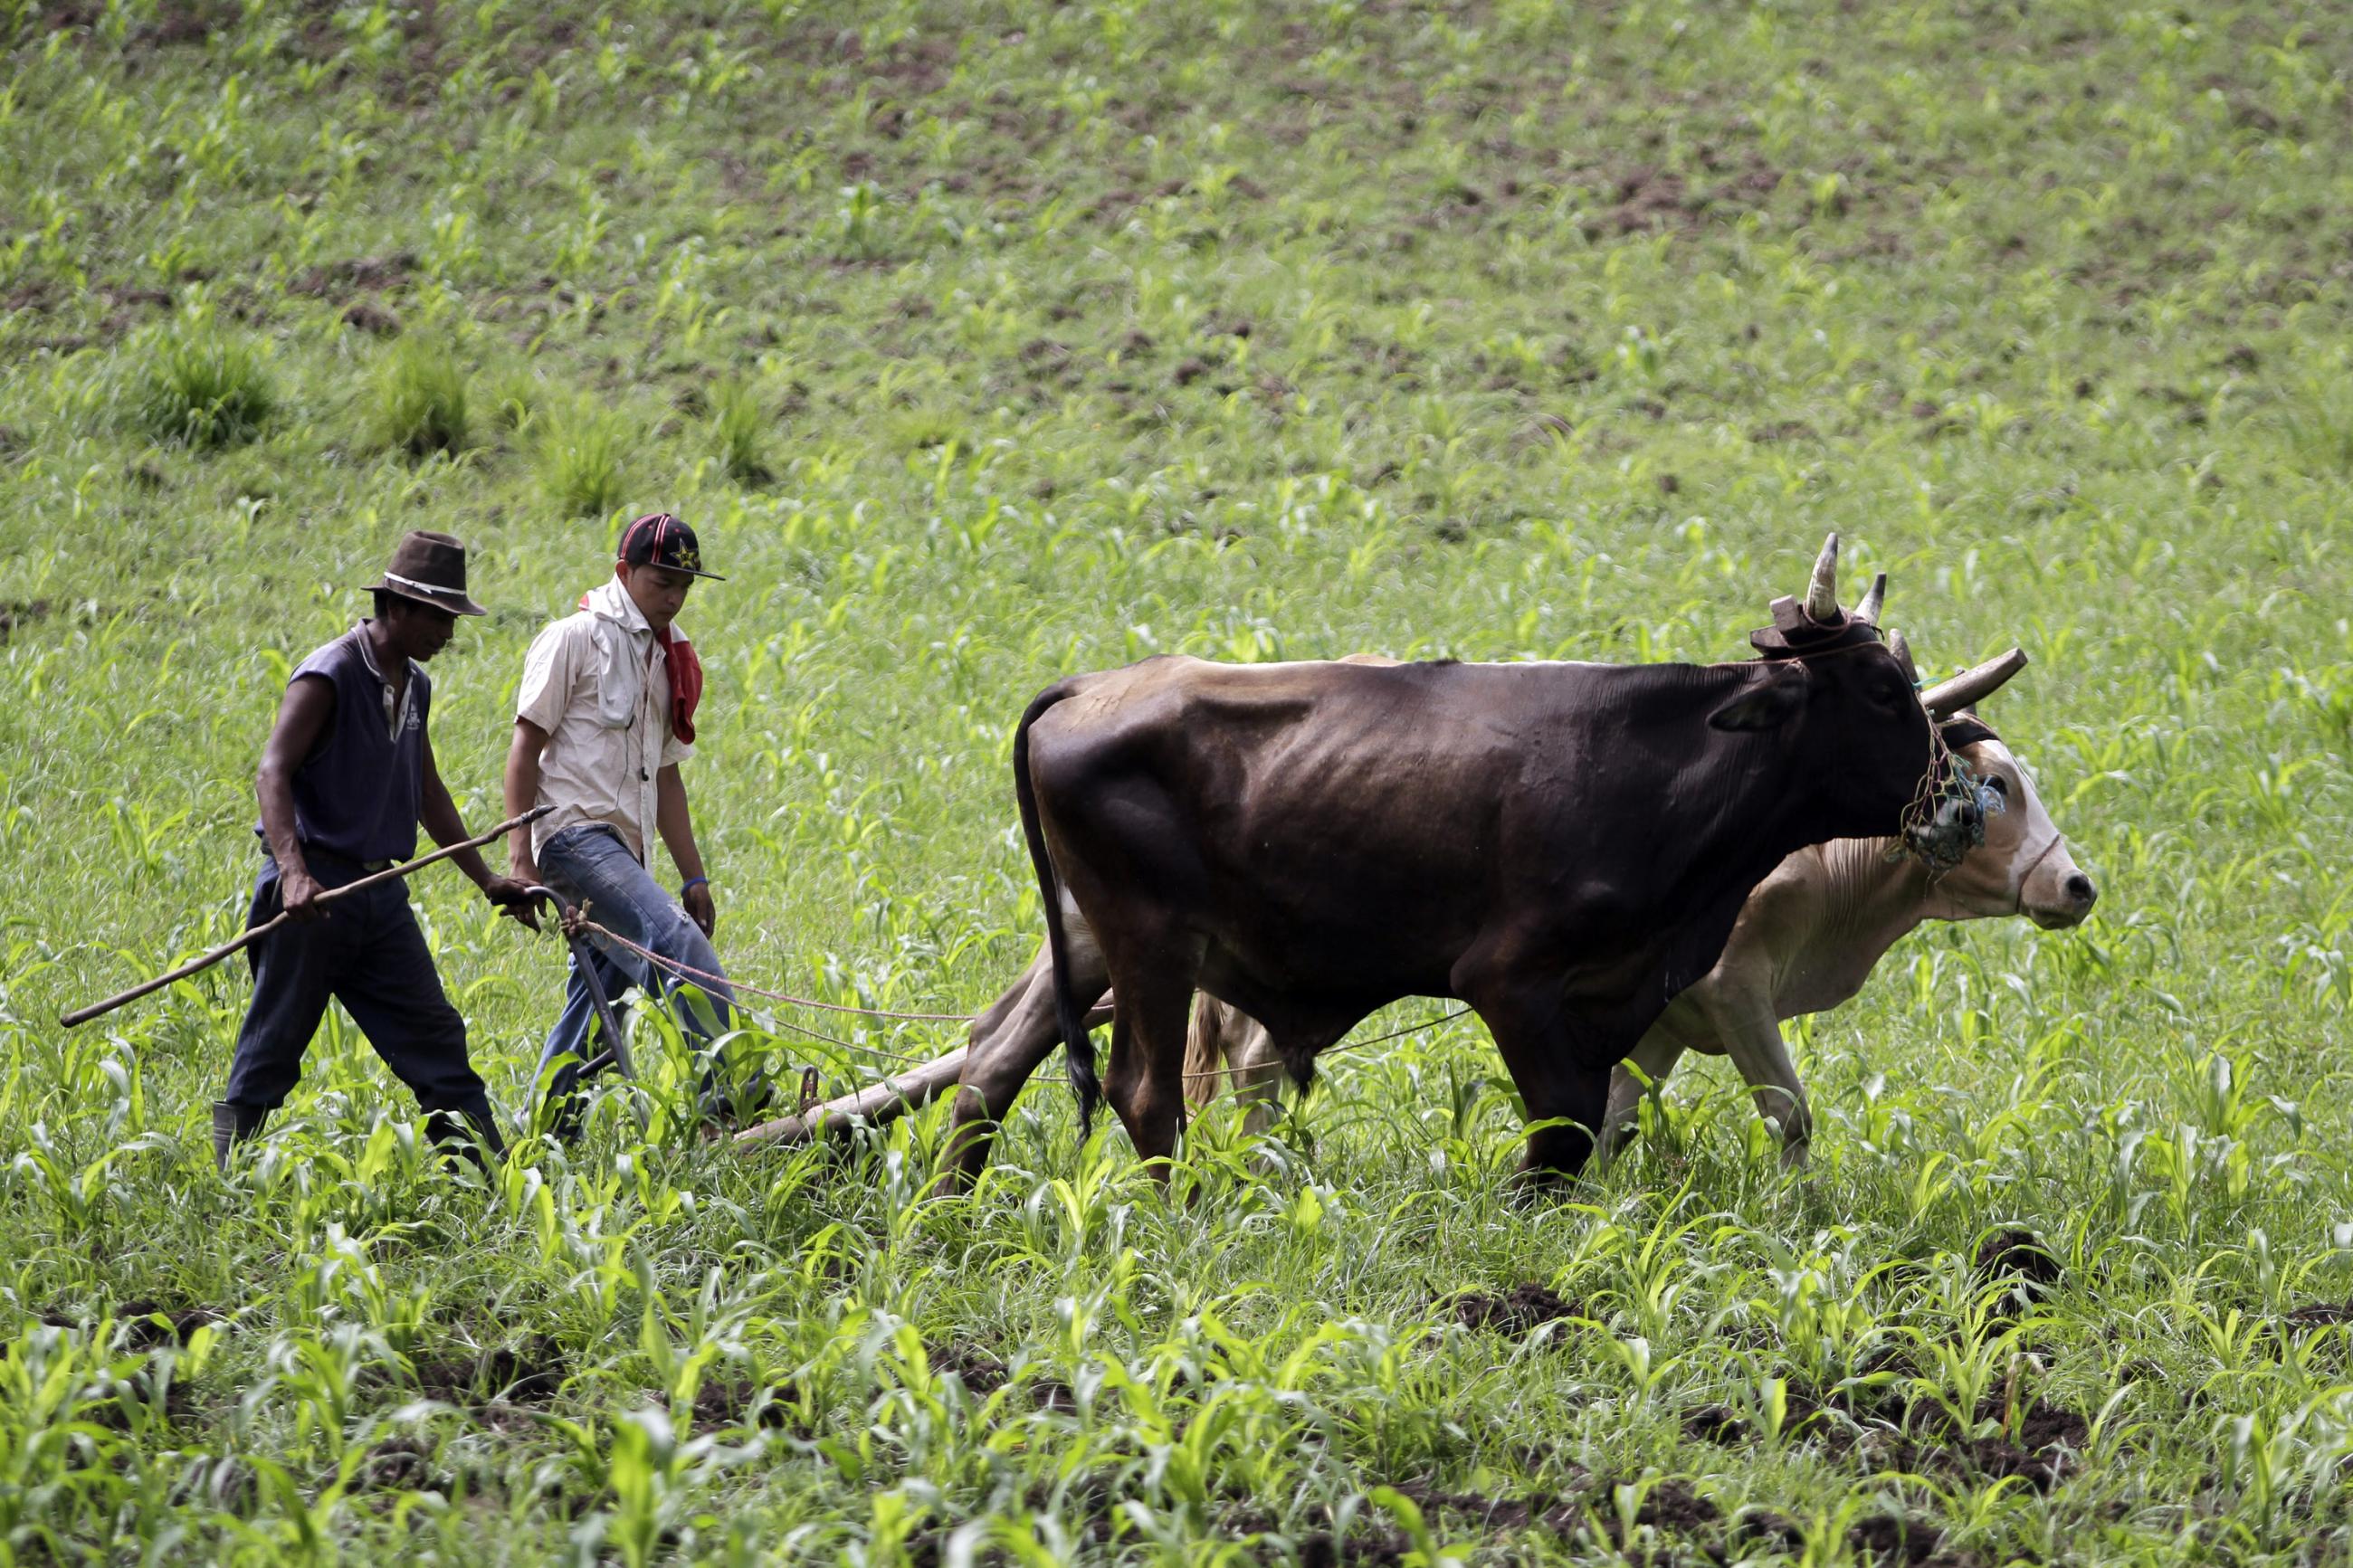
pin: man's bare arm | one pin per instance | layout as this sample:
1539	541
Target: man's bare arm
302	719
523	794
676	826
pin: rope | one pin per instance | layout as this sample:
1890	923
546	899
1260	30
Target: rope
703	977
706	978
1947	778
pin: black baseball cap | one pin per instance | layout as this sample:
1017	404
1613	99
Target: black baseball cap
657	539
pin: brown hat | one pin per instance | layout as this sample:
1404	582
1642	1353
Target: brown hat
429	568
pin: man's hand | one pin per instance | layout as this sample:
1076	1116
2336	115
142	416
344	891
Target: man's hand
699	906
515	899
299	893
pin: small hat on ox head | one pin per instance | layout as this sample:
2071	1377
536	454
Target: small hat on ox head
429	568
659	538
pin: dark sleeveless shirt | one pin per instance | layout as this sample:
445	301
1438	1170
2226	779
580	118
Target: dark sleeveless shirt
358	793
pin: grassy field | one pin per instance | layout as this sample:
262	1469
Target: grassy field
992	341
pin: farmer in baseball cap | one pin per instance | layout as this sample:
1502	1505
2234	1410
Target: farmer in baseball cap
346	776
604	719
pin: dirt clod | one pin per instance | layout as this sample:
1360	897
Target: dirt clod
1673	1506
2319	1315
1773	1530
361	273
2015	1257
147	1324
1716	1424
1359	1551
528	1374
1492	1514
15	615
981	1373
366	316
1517	1312
745	1403
1893	1538
398	1464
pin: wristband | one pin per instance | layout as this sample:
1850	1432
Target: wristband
690	884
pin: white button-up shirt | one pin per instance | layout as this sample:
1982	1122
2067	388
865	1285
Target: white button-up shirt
598	682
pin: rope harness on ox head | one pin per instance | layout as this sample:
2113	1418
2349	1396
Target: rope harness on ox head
1939	829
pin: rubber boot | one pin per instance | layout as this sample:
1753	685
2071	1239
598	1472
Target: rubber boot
469	1135
232	1125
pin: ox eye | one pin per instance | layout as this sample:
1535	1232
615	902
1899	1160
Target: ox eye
1993	796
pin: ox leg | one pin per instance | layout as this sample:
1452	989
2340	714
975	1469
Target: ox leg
1258	1074
1752	1038
1008	1042
1145	1083
1229	1047
1655	1058
1553	1076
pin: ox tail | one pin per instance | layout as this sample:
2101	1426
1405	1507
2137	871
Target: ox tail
1078	1046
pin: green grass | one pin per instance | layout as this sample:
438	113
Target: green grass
200	388
739	429
1076	333
582	452
421	399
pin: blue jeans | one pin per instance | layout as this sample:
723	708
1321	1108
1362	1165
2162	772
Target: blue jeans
588	864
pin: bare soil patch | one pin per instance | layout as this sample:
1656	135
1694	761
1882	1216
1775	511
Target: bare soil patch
361	273
745	1403
2305	1319
399	1464
508	1376
367	316
1515	1313
981	1373
1897	1539
23	613
2017	1258
148	1323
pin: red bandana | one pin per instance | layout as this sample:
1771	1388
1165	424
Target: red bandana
685	679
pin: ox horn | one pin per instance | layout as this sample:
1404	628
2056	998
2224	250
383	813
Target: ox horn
1901	649
1821	593
1868	611
1948	698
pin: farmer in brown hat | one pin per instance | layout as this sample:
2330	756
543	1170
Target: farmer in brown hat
346	777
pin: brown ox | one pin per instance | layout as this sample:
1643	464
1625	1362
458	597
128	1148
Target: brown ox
1565	846
1804	942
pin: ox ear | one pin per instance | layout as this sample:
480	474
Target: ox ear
1766	706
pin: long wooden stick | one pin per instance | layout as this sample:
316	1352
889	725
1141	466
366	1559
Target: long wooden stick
877	1102
392	874
884	1102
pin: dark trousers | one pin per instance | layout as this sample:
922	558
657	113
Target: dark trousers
369	954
